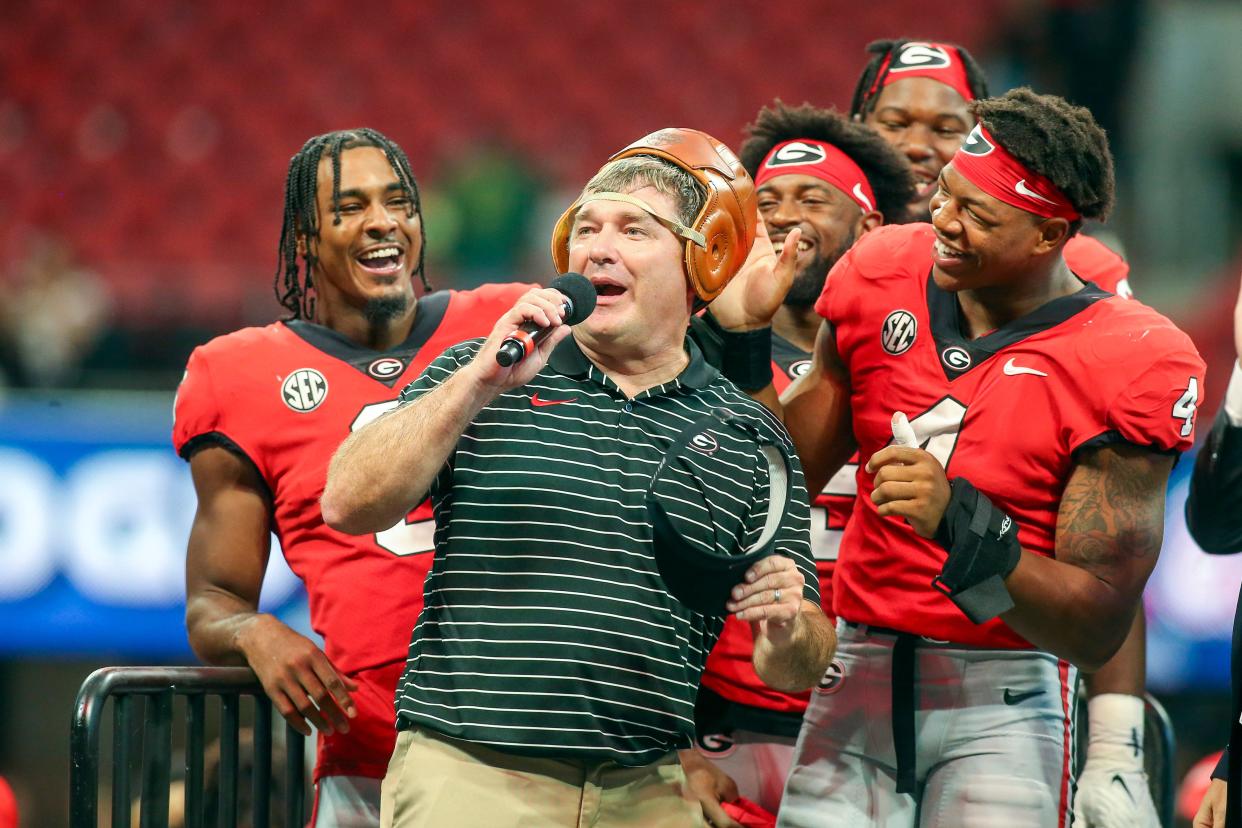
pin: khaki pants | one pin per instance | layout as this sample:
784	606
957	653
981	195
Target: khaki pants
437	782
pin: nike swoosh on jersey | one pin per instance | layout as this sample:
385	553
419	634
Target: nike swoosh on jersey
1017	698
1012	370
1028	192
535	401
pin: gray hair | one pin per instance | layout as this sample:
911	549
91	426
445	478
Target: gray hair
638	171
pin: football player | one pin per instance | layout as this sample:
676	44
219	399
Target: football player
258	415
833	180
1017	426
917	95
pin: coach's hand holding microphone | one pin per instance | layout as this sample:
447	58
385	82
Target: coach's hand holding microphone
578	303
521	341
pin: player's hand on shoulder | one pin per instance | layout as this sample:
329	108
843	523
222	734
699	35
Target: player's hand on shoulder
710	786
910	483
544	307
297	676
754	295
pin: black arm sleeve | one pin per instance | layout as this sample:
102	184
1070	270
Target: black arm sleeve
1214	506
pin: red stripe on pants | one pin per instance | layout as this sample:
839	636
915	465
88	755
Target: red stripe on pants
1063	669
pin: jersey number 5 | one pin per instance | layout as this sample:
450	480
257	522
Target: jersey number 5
407	537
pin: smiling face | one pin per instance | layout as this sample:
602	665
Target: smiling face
366	261
925	120
636	265
828	219
983	242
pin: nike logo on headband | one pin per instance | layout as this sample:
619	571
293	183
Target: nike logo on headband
1024	190
861	198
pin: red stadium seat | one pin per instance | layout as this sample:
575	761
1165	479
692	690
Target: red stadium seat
170	126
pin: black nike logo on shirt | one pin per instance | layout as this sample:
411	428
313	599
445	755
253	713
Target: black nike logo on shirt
1017	698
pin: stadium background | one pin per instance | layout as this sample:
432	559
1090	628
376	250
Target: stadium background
142	155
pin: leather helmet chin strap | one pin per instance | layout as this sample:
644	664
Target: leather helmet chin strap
779	486
675	227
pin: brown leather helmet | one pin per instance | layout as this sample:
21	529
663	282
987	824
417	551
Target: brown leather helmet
719	239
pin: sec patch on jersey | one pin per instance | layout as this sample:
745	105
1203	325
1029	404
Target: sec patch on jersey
304	390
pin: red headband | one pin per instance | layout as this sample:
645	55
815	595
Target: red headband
822	161
991	168
938	61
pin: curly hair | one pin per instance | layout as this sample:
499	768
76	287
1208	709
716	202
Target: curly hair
886	171
293	283
871	81
1058	140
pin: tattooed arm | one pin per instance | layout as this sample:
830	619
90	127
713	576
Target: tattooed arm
1081	605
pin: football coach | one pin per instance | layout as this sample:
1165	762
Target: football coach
552	674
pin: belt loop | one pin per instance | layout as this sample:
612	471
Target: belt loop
904	703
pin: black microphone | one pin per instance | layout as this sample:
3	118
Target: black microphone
579	303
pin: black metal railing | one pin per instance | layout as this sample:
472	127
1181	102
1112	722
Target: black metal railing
1159	748
158	687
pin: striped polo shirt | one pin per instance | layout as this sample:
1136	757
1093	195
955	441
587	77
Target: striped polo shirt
547	630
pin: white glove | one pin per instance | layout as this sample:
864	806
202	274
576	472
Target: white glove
1113	790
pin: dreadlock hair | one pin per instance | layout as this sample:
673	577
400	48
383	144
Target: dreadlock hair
871	82
886	170
1058	140
292	284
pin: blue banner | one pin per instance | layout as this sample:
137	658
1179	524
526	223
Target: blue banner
95	511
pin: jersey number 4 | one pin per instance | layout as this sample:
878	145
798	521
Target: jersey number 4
937	428
1184	408
407	537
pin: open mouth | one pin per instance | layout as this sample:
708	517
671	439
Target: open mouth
803	246
383	260
948	255
925	182
606	288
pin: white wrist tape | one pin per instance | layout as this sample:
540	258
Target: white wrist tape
1115	726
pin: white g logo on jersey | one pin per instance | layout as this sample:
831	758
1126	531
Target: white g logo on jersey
956	358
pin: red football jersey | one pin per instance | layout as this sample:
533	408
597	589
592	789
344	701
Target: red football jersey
284	397
833	505
1007	411
729	670
1093	261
